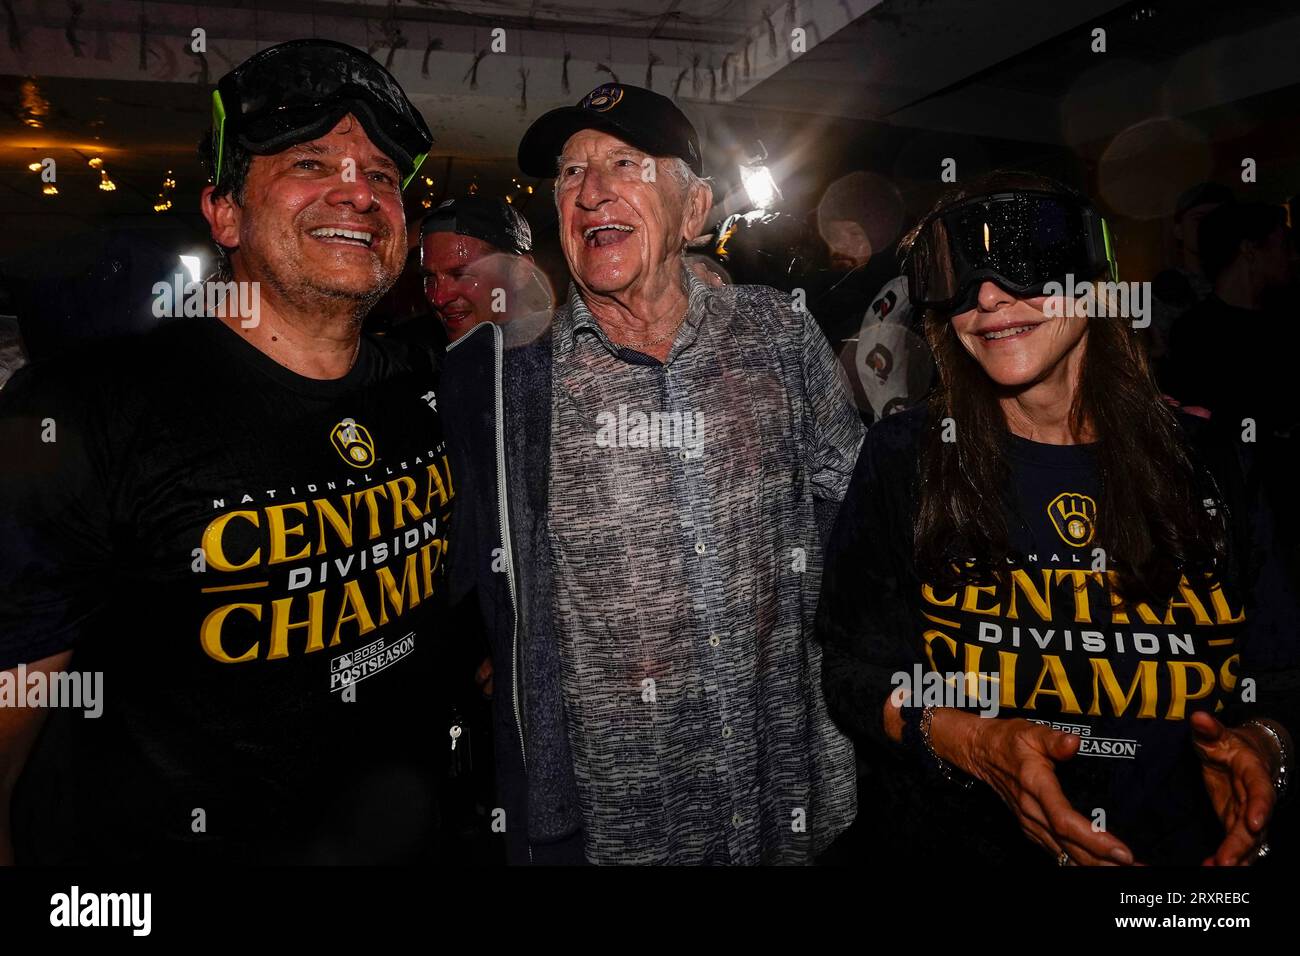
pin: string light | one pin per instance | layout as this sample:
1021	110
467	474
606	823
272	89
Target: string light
105	183
34	107
50	189
35	167
164	195
95	162
426	201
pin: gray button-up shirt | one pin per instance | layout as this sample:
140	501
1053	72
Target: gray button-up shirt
687	562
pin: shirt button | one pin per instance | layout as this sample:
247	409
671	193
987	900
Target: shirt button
699	547
735	820
683	455
714	640
726	733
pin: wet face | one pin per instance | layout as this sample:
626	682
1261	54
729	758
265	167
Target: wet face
461	274
1016	344
623	221
321	219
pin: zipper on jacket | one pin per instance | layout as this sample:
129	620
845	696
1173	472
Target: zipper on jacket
503	514
503	511
498	351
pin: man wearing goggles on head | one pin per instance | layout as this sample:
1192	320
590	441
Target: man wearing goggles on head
244	520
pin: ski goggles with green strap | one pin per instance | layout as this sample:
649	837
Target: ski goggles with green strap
297	91
1021	240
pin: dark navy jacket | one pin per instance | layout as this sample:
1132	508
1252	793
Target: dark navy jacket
497	386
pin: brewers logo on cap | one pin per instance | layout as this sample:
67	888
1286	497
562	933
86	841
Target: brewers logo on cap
602	98
1074	517
354	443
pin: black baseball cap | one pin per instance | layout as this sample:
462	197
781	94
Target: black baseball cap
640	117
493	221
296	91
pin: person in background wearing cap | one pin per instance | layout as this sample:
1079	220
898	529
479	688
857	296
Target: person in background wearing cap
661	672
1174	291
241	521
476	264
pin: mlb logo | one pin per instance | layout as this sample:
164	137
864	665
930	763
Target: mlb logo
341	662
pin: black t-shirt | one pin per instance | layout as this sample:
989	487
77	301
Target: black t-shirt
1124	676
254	561
1053	641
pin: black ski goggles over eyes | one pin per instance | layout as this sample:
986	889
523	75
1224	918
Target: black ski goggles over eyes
1019	240
297	91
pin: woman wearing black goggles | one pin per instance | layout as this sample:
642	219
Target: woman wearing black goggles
1032	607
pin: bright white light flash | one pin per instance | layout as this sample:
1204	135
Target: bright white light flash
760	186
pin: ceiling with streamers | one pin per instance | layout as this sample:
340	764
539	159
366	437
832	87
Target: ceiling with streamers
127	80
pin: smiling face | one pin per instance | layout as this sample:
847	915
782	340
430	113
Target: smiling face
848	244
622	229
461	274
314	225
1015	343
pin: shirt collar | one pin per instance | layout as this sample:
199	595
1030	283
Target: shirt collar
575	319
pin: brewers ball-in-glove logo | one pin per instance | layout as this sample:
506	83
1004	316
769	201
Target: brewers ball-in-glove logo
603	98
1074	517
354	443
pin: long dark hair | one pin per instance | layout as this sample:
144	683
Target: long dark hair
1152	527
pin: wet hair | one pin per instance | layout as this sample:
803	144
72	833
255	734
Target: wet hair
234	169
233	179
1152	527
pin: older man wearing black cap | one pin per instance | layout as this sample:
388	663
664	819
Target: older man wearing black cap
476	262
241	522
678	450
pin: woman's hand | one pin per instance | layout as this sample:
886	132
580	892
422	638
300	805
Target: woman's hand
1238	766
1018	760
